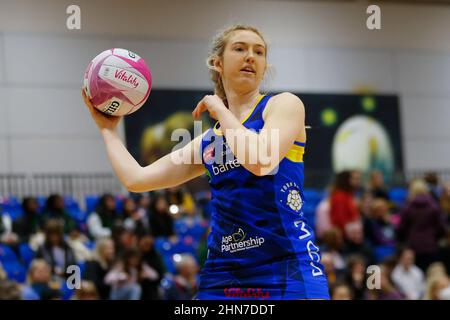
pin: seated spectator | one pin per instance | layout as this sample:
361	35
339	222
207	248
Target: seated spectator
127	276
152	258
438	288
104	219
432	181
332	274
380	230
387	290
356	276
55	250
182	286
88	291
124	240
444	250
422	224
408	277
323	221
341	291
100	265
181	198
7	235
356	244
376	185
78	243
39	283
9	290
55	210
445	201
343	208
30	222
135	220
161	221
333	244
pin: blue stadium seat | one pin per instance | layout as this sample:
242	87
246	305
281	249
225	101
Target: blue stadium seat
27	254
7	255
382	252
398	195
91	203
15	271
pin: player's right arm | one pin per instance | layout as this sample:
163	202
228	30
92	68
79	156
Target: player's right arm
161	174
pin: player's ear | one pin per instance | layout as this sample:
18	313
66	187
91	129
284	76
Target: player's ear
218	65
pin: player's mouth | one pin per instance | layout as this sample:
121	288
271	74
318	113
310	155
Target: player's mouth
248	70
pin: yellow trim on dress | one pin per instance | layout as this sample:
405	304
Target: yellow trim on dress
219	133
295	154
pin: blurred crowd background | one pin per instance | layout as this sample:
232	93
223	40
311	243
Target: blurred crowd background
152	245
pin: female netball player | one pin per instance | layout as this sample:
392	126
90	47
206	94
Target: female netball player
260	245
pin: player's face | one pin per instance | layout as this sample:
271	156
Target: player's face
244	60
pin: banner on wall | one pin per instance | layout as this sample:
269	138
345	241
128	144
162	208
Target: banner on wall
348	131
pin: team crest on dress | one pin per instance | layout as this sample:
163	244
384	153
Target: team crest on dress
293	197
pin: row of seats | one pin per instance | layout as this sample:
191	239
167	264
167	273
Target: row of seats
13	206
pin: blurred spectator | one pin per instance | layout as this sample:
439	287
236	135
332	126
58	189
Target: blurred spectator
408	277
39	284
127	276
333	244
88	291
161	221
356	276
380	231
432	181
103	220
341	291
421	224
445	201
438	288
182	286
7	235
99	266
135	220
124	240
151	257
180	201
3	275
143	203
444	250
387	290
78	243
376	185
9	290
55	210
323	220
332	274
356	244
55	250
343	209
30	222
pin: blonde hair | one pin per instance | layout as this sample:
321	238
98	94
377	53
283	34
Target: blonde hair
417	187
99	247
37	263
217	49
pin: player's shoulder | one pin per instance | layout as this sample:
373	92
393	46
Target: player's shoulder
286	101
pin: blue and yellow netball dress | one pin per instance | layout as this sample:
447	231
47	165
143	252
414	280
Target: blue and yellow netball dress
260	245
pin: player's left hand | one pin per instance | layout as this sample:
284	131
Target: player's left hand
211	103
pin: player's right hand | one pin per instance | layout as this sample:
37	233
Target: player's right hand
102	120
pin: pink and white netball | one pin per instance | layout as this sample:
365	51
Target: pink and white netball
117	81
